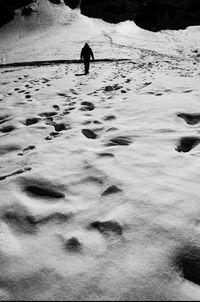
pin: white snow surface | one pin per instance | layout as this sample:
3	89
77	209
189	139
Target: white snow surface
98	148
57	32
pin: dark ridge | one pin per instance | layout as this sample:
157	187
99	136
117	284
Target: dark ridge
55	62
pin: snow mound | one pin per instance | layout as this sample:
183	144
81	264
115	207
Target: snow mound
99	181
56	32
43	13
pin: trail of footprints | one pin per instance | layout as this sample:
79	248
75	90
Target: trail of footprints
19	218
186	258
50	118
186	144
30	86
22	221
90	134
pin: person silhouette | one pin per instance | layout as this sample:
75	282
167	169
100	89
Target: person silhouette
86	55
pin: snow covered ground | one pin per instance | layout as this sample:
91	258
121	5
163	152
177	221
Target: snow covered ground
99	174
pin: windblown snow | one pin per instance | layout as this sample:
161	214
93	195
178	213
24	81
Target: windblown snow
99	174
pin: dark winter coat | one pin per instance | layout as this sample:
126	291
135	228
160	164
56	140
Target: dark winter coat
86	53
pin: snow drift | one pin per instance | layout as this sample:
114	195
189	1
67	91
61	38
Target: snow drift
99	174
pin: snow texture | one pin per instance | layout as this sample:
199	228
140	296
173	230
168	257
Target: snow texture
99	174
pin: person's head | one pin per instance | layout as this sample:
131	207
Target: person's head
86	45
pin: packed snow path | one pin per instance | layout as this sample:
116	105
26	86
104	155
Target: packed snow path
99	181
55	62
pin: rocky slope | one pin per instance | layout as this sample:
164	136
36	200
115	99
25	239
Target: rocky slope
8	8
152	15
149	14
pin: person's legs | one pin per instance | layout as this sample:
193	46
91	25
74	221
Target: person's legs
87	66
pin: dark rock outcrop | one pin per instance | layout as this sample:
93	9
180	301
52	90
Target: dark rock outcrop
55	1
72	3
6	14
152	15
167	14
8	7
26	11
15	4
111	11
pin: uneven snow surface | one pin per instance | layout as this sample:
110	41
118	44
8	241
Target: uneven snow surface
99	174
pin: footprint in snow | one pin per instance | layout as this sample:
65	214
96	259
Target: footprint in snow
27	149
89	134
186	144
87	106
119	141
190	119
32	121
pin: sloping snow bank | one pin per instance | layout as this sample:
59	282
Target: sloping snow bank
57	32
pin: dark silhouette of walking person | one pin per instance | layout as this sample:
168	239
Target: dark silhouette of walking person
86	55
